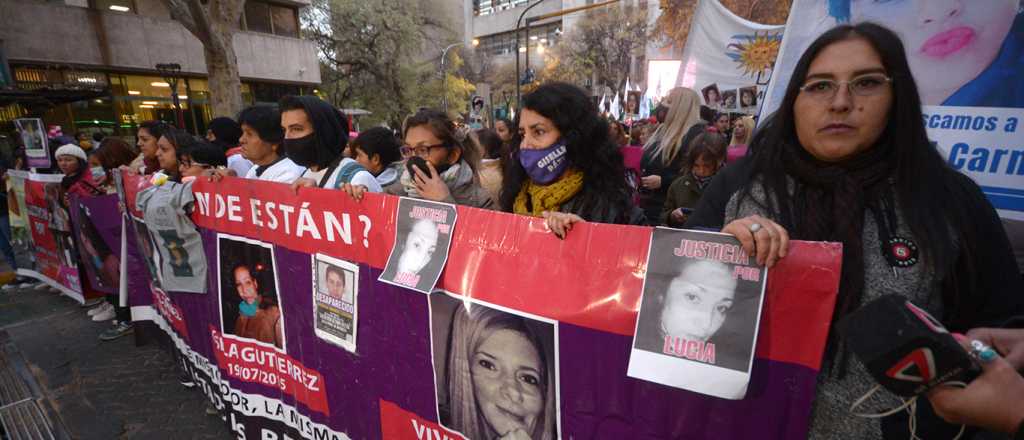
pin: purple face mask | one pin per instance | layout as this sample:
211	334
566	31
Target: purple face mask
546	164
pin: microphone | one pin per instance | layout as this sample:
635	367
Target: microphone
904	348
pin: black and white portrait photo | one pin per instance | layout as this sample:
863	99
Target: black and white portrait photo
335	289
701	305
423	234
495	371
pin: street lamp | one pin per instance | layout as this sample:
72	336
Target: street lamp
170	72
444	77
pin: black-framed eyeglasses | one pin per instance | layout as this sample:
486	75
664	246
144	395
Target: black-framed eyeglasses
421	151
865	85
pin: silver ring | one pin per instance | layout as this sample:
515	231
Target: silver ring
755	227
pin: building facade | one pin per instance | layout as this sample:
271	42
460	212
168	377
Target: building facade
90	65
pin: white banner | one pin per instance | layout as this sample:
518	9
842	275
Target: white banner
727	58
968	63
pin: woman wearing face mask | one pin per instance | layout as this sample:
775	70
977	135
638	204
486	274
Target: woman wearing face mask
564	166
742	130
452	160
846	159
705	157
113	153
663	154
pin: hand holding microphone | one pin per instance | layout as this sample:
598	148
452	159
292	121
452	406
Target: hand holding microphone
994	400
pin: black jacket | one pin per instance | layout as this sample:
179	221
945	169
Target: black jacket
997	295
651	165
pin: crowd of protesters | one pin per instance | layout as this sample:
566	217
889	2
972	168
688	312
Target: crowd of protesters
844	159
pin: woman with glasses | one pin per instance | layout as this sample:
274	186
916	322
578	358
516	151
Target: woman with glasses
450	162
846	159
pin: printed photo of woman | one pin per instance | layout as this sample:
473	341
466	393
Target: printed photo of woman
423	235
495	372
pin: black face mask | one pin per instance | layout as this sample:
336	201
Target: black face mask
301	150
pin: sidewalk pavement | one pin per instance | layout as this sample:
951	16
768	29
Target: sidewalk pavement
102	390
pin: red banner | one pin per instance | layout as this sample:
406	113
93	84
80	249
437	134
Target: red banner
592	278
249	361
55	252
171	312
314	220
399	424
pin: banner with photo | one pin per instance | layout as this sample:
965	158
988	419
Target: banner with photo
968	62
297	337
34	138
728	59
96	223
54	248
21	235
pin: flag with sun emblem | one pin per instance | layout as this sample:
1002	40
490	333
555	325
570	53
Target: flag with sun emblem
728	59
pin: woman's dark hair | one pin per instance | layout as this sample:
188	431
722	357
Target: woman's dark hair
181	140
444	129
225	132
709	145
708	114
589	149
381	142
265	120
929	193
156	128
113	153
203	152
330	128
505	121
491	143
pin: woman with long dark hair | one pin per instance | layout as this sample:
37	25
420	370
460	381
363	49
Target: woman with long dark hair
846	159
563	164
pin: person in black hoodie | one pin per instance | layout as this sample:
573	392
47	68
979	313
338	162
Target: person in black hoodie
846	159
315	135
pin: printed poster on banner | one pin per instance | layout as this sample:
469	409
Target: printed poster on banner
249	295
21	237
335	291
968	64
54	248
98	234
33	136
478	349
699	314
423	234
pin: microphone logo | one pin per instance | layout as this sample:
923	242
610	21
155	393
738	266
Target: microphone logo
918	366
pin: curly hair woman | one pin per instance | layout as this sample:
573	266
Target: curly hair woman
564	166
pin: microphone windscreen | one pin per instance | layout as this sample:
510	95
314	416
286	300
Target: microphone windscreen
903	347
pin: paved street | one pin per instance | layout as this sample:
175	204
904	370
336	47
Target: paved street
102	390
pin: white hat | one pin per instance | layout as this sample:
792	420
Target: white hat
71	150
